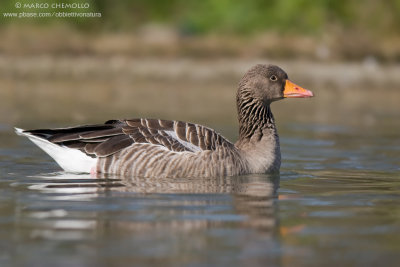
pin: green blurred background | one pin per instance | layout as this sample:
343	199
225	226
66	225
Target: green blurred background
242	17
338	29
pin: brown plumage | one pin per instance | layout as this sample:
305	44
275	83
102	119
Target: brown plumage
163	148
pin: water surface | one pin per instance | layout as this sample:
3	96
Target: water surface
335	202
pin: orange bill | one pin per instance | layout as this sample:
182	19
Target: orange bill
293	90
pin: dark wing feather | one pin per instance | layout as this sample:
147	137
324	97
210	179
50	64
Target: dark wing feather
112	145
106	139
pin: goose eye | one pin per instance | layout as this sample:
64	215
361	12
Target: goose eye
273	78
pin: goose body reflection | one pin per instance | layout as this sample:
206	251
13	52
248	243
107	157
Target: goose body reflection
251	197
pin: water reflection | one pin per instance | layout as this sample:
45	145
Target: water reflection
78	207
252	197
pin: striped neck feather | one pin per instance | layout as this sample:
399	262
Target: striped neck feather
254	115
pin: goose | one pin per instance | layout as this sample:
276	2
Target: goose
166	148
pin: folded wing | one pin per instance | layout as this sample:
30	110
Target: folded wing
106	139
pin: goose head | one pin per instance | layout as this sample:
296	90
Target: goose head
268	83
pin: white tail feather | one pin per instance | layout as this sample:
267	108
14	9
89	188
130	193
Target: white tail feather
71	160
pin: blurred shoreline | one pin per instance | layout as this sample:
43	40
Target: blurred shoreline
366	74
161	41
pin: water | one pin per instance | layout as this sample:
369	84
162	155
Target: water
335	203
